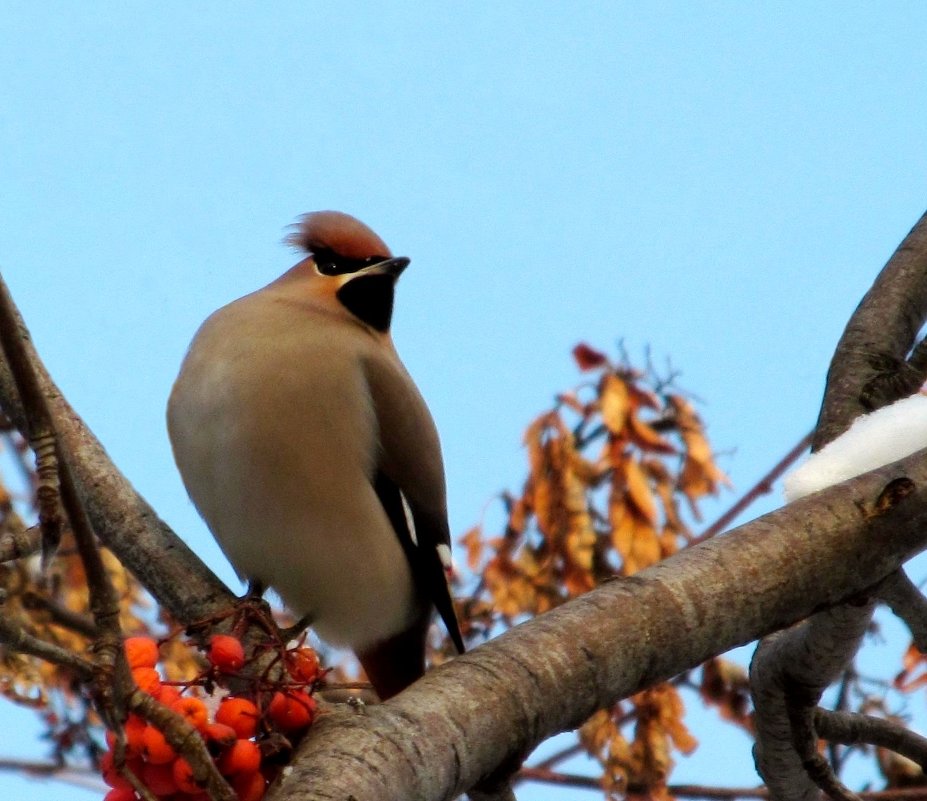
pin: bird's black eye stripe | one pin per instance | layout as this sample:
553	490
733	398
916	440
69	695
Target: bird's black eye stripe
330	263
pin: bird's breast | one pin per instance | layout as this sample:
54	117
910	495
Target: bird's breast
275	435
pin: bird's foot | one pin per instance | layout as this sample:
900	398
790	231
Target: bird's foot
294	631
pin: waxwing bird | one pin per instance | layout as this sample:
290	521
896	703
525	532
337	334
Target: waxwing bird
309	452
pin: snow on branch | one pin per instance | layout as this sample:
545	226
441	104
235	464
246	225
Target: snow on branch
884	436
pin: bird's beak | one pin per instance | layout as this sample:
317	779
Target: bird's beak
393	267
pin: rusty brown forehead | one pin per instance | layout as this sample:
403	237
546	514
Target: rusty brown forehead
338	232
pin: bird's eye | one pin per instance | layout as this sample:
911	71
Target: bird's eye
327	262
330	263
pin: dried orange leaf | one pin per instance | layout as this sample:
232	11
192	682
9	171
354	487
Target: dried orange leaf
913	659
570	400
726	686
665	487
544	501
622	525
645	548
639	492
588	358
596	732
615	403
512	594
646	437
580	545
473	543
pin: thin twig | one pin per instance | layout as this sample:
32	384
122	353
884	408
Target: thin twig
705	792
59	614
18	543
762	487
805	742
852	728
41	433
123	520
835	753
564	753
68	774
17	448
113	681
15	636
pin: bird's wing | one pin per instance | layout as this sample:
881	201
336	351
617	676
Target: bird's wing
410	482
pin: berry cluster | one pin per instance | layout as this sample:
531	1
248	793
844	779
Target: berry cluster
241	732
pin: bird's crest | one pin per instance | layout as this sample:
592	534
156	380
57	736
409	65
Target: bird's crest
337	232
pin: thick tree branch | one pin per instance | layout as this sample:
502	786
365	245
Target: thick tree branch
39	429
908	603
852	728
120	516
868	369
496	703
789	673
884	324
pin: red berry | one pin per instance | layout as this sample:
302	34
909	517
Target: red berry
183	776
148	679
109	772
134	726
159	779
120	794
155	747
220	734
243	757
226	653
239	713
193	709
135	729
303	664
141	652
249	786
292	711
167	694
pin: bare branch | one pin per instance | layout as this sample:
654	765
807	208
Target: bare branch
908	603
39	430
17	638
793	668
877	338
885	323
852	728
805	740
497	702
762	487
20	543
112	681
59	614
121	518
67	774
554	759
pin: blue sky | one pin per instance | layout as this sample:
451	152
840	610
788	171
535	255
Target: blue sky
719	181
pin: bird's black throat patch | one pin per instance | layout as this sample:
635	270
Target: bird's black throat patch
370	299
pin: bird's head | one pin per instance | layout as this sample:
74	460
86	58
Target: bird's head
349	264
